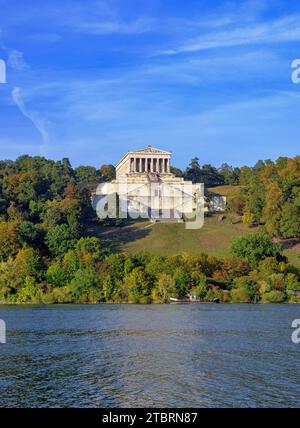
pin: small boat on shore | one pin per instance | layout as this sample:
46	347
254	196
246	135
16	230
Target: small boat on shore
189	300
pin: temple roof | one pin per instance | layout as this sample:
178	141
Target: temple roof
144	152
151	151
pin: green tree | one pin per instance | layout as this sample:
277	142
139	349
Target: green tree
139	284
28	232
61	238
290	220
182	282
9	241
85	283
255	247
164	288
108	172
55	275
89	250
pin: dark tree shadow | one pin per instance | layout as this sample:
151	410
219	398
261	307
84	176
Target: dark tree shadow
289	243
115	237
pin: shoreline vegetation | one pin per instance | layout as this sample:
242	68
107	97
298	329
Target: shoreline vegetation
48	255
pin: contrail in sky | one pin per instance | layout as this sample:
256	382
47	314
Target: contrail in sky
38	123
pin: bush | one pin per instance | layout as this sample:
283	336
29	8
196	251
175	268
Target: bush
274	296
240	295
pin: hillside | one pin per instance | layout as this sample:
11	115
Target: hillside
166	239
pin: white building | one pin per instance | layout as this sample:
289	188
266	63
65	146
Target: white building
146	188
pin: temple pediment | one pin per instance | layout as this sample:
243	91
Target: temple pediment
150	151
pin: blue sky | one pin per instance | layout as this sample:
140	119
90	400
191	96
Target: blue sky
91	79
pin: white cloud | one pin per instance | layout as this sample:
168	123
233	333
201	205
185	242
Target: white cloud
286	29
138	26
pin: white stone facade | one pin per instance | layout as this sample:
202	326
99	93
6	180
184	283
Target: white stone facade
146	188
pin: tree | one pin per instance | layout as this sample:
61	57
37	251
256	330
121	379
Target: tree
89	250
9	241
210	176
176	171
290	220
182	282
28	264
255	247
85	282
28	233
55	275
108	172
244	290
272	208
61	238
139	285
193	172
70	264
164	288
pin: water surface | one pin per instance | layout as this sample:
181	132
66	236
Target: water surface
149	355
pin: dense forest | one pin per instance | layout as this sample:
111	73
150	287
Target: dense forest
46	257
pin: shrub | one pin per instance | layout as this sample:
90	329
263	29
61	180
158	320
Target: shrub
274	296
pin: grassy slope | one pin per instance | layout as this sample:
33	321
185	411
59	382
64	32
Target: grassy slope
214	238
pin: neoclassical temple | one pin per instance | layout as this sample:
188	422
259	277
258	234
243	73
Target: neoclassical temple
149	160
145	187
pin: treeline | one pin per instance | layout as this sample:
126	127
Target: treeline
269	193
46	257
86	273
208	174
270	196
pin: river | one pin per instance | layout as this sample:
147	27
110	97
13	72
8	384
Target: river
149	355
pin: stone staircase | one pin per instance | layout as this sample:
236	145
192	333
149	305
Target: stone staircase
153	177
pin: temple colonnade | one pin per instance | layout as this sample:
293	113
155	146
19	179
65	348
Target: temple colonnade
150	164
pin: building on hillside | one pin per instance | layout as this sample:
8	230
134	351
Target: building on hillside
145	187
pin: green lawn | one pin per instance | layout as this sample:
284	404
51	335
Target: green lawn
165	238
227	190
293	254
168	238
